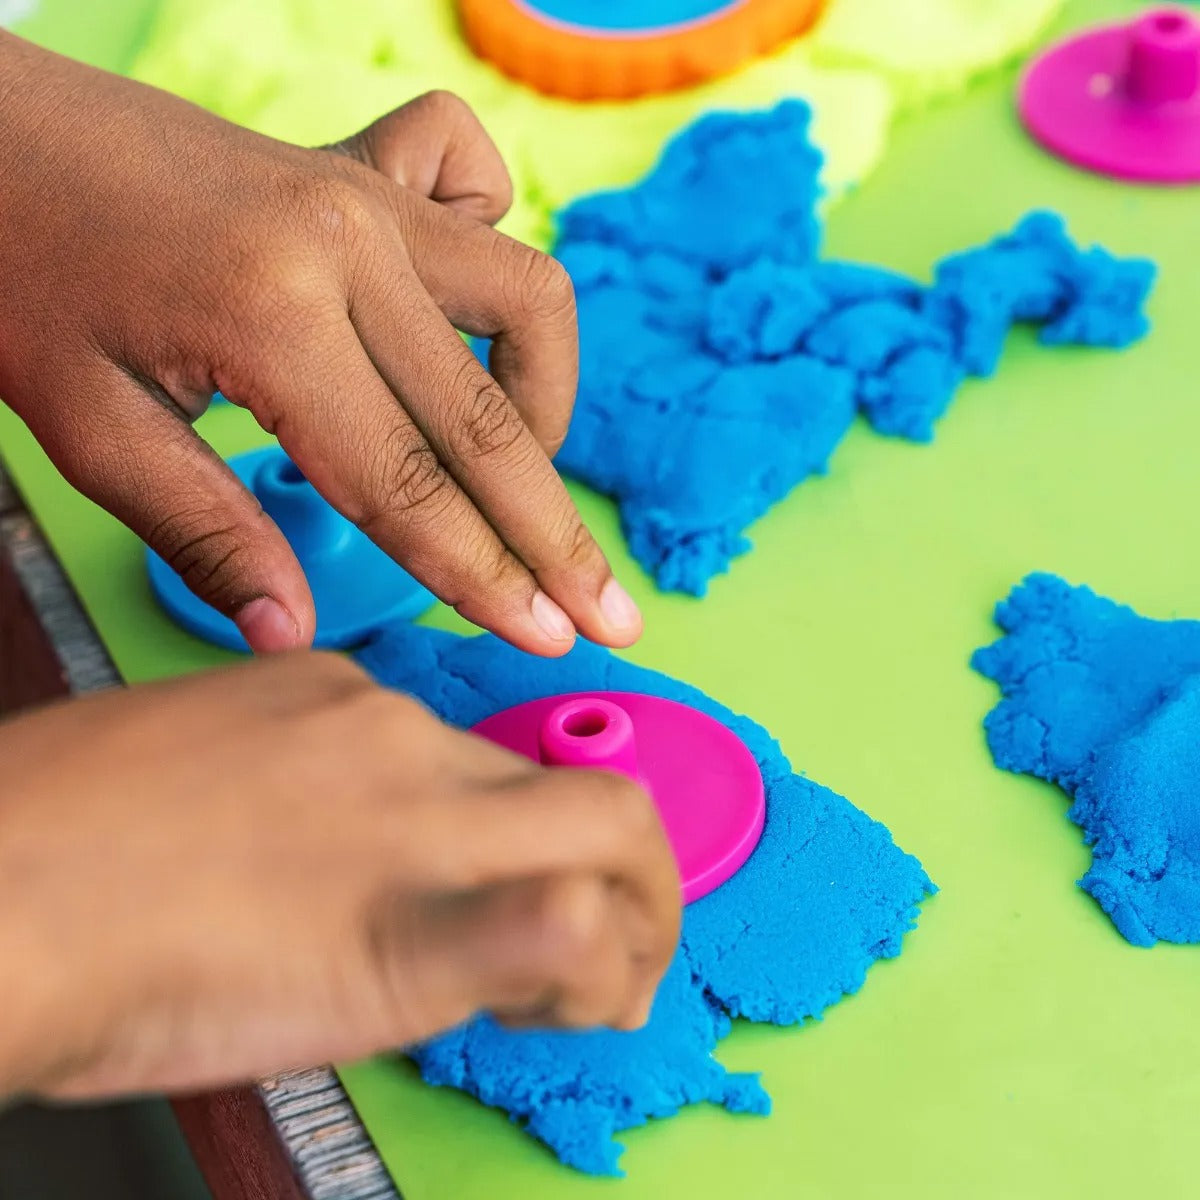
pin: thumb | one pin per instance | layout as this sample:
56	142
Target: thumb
437	146
150	469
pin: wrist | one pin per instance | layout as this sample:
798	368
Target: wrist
24	1009
40	1002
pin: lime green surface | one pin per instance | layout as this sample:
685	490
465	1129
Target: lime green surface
1018	1047
105	33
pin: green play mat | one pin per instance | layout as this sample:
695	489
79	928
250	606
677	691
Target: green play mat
1018	1047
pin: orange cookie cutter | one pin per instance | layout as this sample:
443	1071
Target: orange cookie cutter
602	64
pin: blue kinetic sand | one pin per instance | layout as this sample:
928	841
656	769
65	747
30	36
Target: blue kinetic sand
825	893
576	1091
1106	704
356	587
722	361
628	16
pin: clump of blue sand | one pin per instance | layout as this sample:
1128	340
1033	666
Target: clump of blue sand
722	360
825	893
1106	703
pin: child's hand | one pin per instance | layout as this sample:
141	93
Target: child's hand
152	253
283	864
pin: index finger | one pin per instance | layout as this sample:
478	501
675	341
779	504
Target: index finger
487	448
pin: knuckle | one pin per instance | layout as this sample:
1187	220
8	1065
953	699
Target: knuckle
383	710
419	477
579	548
276	287
206	555
318	682
542	285
552	435
490	424
571	920
340	672
335	205
625	800
350	708
369	711
629	808
570	547
444	103
498	569
413	481
392	941
493	570
276	291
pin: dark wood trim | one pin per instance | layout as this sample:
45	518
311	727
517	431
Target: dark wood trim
236	1147
30	672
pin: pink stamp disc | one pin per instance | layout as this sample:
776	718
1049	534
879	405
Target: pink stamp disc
1123	100
705	784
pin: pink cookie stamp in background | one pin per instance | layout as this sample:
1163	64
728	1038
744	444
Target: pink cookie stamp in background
1123	100
706	785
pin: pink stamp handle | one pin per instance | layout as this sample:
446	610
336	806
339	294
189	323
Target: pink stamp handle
589	732
1164	58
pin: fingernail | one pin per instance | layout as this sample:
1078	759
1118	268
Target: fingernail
551	619
617	607
267	626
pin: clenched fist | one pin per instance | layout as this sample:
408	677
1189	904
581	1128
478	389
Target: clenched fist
282	863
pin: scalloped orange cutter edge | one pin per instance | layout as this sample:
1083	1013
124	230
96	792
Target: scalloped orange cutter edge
579	64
